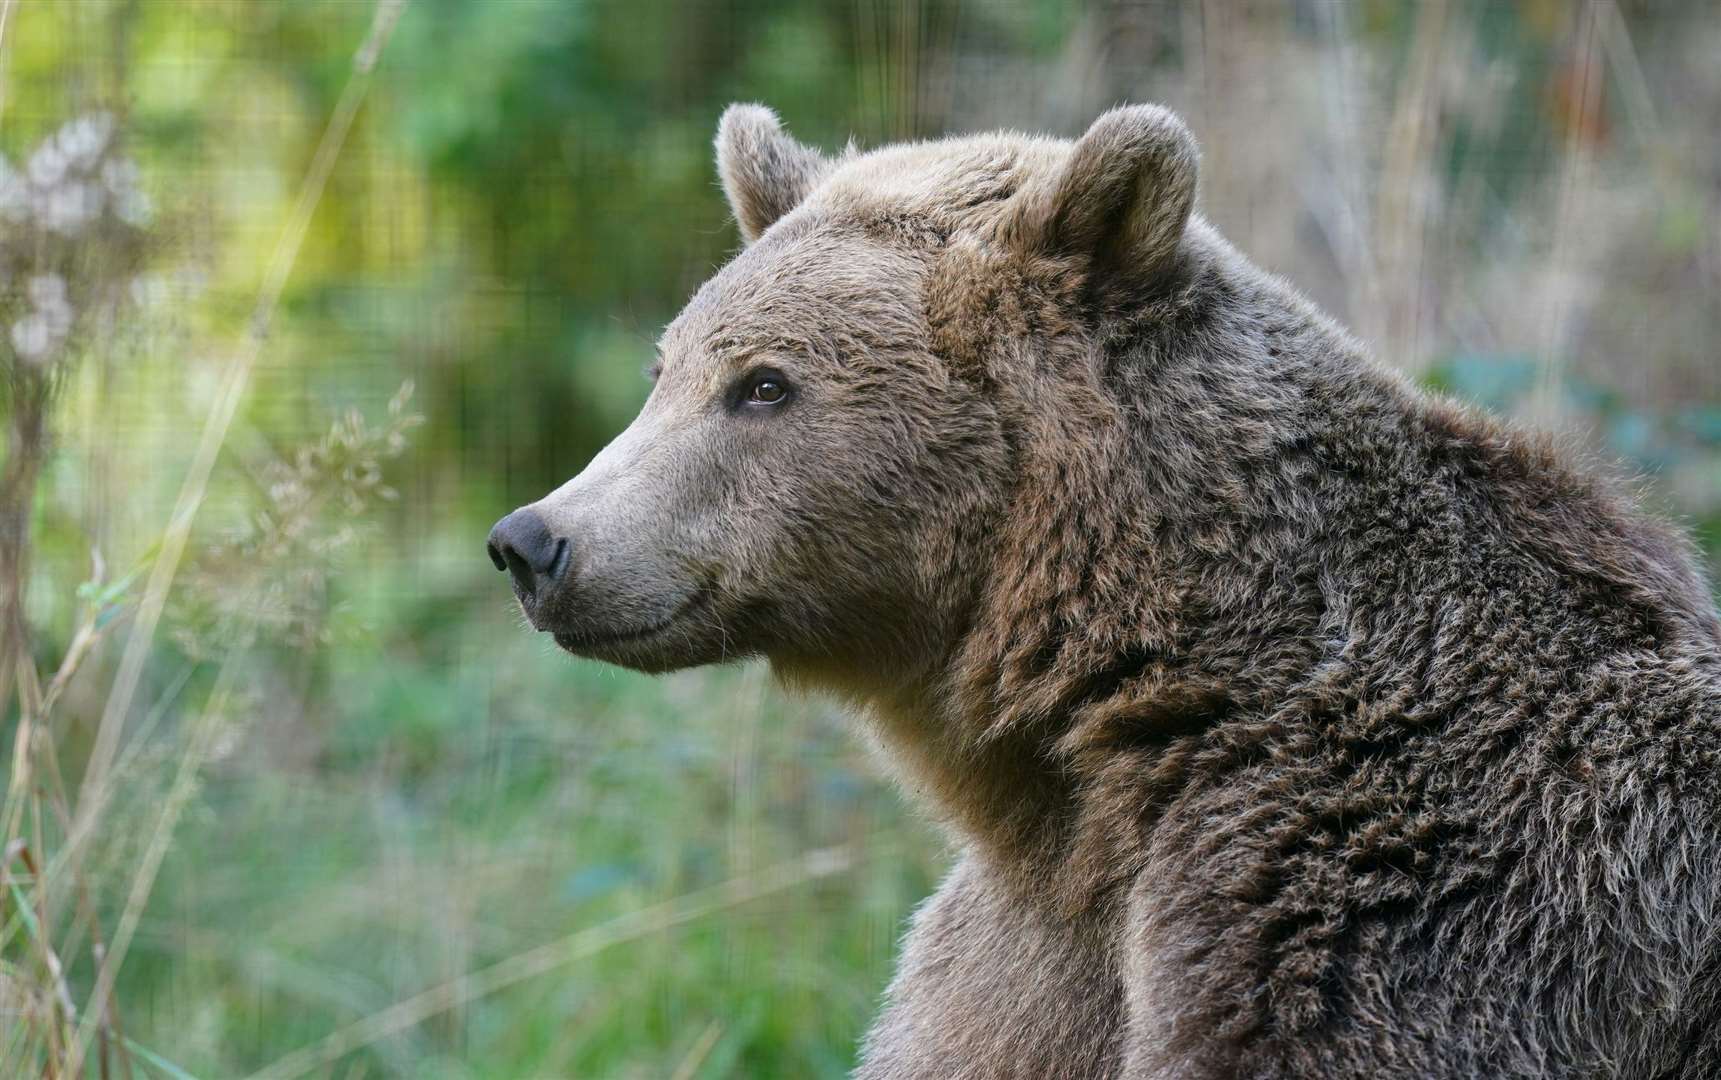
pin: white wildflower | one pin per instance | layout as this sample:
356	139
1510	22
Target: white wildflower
69	207
47	165
134	208
130	202
46	290
83	140
32	339
47	293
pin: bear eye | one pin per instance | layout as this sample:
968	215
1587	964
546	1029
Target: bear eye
767	388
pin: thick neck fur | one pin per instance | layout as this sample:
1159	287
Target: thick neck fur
1202	508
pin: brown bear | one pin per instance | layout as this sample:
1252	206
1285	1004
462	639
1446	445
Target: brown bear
1290	721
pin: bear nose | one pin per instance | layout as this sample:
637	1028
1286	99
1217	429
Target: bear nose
522	545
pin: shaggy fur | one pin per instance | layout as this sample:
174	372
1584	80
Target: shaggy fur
1291	722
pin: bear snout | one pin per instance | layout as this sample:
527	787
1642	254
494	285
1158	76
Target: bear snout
522	544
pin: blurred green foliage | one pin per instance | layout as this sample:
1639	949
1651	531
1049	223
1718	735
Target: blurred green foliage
412	787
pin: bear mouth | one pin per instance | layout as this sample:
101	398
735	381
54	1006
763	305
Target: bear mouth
582	642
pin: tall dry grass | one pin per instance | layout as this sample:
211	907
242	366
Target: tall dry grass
77	242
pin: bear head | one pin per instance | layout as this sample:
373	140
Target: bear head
846	417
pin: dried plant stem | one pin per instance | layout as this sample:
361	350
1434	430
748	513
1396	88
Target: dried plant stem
546	958
192	757
56	969
86	912
702	1047
83	640
36	765
34	761
61	1009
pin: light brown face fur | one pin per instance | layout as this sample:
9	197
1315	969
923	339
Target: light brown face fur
843	527
785	490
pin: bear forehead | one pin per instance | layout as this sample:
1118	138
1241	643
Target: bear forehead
808	286
952	183
814	280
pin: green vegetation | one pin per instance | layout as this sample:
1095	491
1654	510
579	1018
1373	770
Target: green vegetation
290	789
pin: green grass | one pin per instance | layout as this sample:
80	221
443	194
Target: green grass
449	800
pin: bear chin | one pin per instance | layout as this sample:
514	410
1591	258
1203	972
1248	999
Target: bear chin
680	641
636	655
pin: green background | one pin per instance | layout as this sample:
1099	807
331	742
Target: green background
1516	203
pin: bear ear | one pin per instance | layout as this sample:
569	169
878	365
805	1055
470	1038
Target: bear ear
1125	193
765	173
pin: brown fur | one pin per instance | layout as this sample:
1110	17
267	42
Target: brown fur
1291	722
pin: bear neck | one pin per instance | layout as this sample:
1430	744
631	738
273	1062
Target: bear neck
1230	527
1153	572
1156	575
